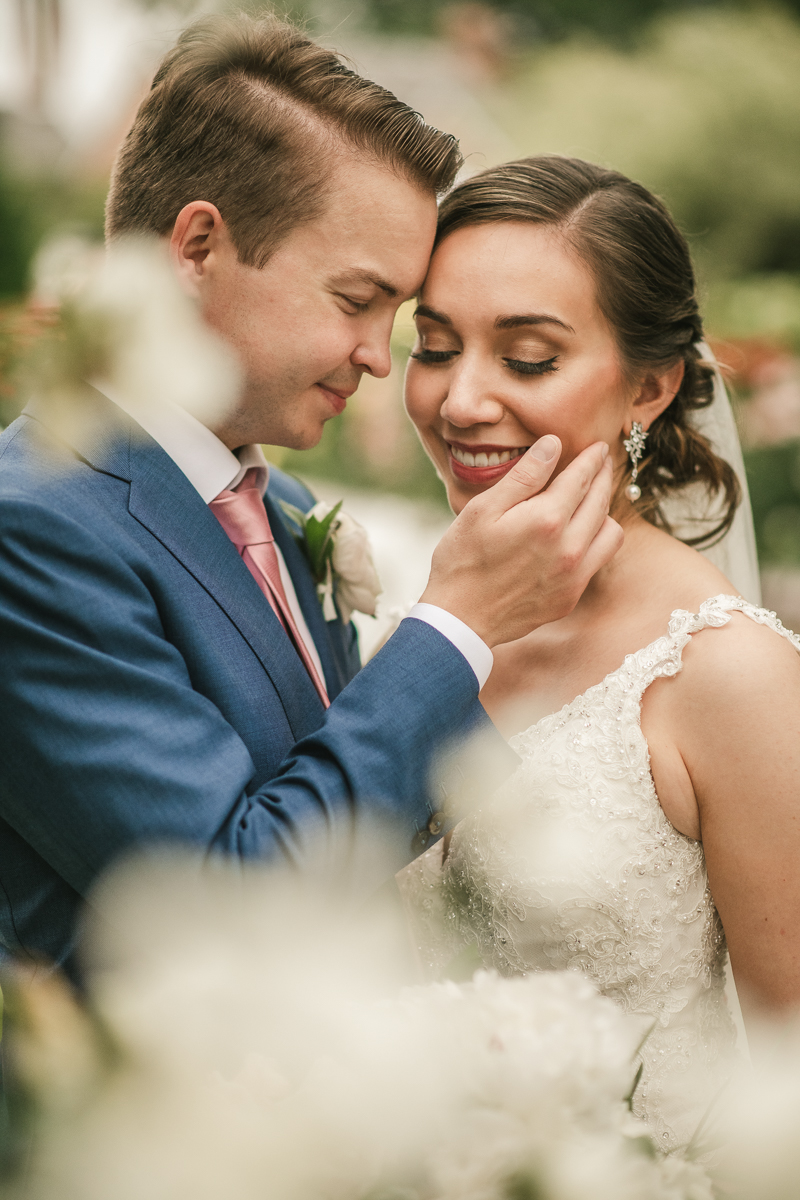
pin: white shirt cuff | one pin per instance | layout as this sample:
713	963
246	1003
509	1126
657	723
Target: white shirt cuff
474	649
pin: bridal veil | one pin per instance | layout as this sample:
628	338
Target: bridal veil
688	512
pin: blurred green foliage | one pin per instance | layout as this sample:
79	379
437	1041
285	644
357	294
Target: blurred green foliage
705	111
618	21
31	208
773	474
340	457
17	238
761	306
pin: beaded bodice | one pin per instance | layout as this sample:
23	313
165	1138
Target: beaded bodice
573	865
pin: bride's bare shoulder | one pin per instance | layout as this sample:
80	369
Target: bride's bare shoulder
729	715
745	660
728	667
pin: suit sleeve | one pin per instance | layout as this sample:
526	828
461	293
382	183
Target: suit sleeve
108	747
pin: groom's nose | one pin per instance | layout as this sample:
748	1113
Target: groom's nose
374	355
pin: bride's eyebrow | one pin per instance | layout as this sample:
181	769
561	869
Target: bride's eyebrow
516	322
422	310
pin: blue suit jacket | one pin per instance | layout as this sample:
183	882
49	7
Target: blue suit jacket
148	693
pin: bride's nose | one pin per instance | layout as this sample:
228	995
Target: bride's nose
469	399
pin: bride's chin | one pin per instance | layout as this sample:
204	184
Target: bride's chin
459	494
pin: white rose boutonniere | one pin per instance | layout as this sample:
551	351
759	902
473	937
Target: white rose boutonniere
339	554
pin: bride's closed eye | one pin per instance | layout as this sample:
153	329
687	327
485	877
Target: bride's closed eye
524	367
434	356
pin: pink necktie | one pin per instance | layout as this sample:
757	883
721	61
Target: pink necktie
242	515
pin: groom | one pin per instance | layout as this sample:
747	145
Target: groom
167	673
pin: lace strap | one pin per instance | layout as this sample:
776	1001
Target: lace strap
663	657
716	612
623	689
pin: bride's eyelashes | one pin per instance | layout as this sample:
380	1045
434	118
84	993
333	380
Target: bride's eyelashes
434	356
523	367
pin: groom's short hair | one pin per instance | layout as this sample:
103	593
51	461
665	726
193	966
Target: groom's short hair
249	114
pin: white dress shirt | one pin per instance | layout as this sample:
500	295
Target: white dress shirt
211	467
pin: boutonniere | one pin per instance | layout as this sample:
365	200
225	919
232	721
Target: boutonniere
339	554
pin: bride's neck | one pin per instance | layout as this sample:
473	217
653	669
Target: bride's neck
625	570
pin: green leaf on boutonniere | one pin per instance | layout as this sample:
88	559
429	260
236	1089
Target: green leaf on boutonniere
317	537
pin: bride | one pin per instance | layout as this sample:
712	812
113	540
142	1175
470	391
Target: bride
654	814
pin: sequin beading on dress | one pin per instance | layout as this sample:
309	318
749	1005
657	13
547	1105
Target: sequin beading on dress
573	865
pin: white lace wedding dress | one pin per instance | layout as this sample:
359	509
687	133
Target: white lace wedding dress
574	866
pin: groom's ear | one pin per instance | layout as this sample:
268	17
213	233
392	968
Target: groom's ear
198	233
656	392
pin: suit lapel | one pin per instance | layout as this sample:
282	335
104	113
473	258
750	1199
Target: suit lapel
164	501
307	598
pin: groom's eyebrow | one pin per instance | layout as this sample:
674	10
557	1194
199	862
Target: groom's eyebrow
516	322
357	275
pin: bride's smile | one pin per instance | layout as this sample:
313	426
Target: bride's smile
479	464
511	345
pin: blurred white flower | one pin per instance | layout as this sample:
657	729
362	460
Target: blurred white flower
63	268
126	323
263	1047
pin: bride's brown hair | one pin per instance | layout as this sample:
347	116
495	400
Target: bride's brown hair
646	290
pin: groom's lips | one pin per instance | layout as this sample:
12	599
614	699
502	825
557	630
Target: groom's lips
337	400
479	471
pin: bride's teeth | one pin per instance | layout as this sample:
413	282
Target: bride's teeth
495	459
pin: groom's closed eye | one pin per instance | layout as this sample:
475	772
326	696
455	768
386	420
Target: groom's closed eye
359	288
357	306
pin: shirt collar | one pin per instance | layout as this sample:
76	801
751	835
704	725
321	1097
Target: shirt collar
206	462
247	457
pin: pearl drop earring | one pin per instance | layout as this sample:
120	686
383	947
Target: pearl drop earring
635	447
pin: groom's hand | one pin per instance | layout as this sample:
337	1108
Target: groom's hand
520	555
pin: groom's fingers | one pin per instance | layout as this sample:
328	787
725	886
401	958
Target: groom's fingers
585	483
591	536
527	477
583	522
605	544
526	494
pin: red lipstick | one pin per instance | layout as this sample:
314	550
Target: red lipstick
482	464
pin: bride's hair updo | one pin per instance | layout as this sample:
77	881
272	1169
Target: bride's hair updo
645	289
